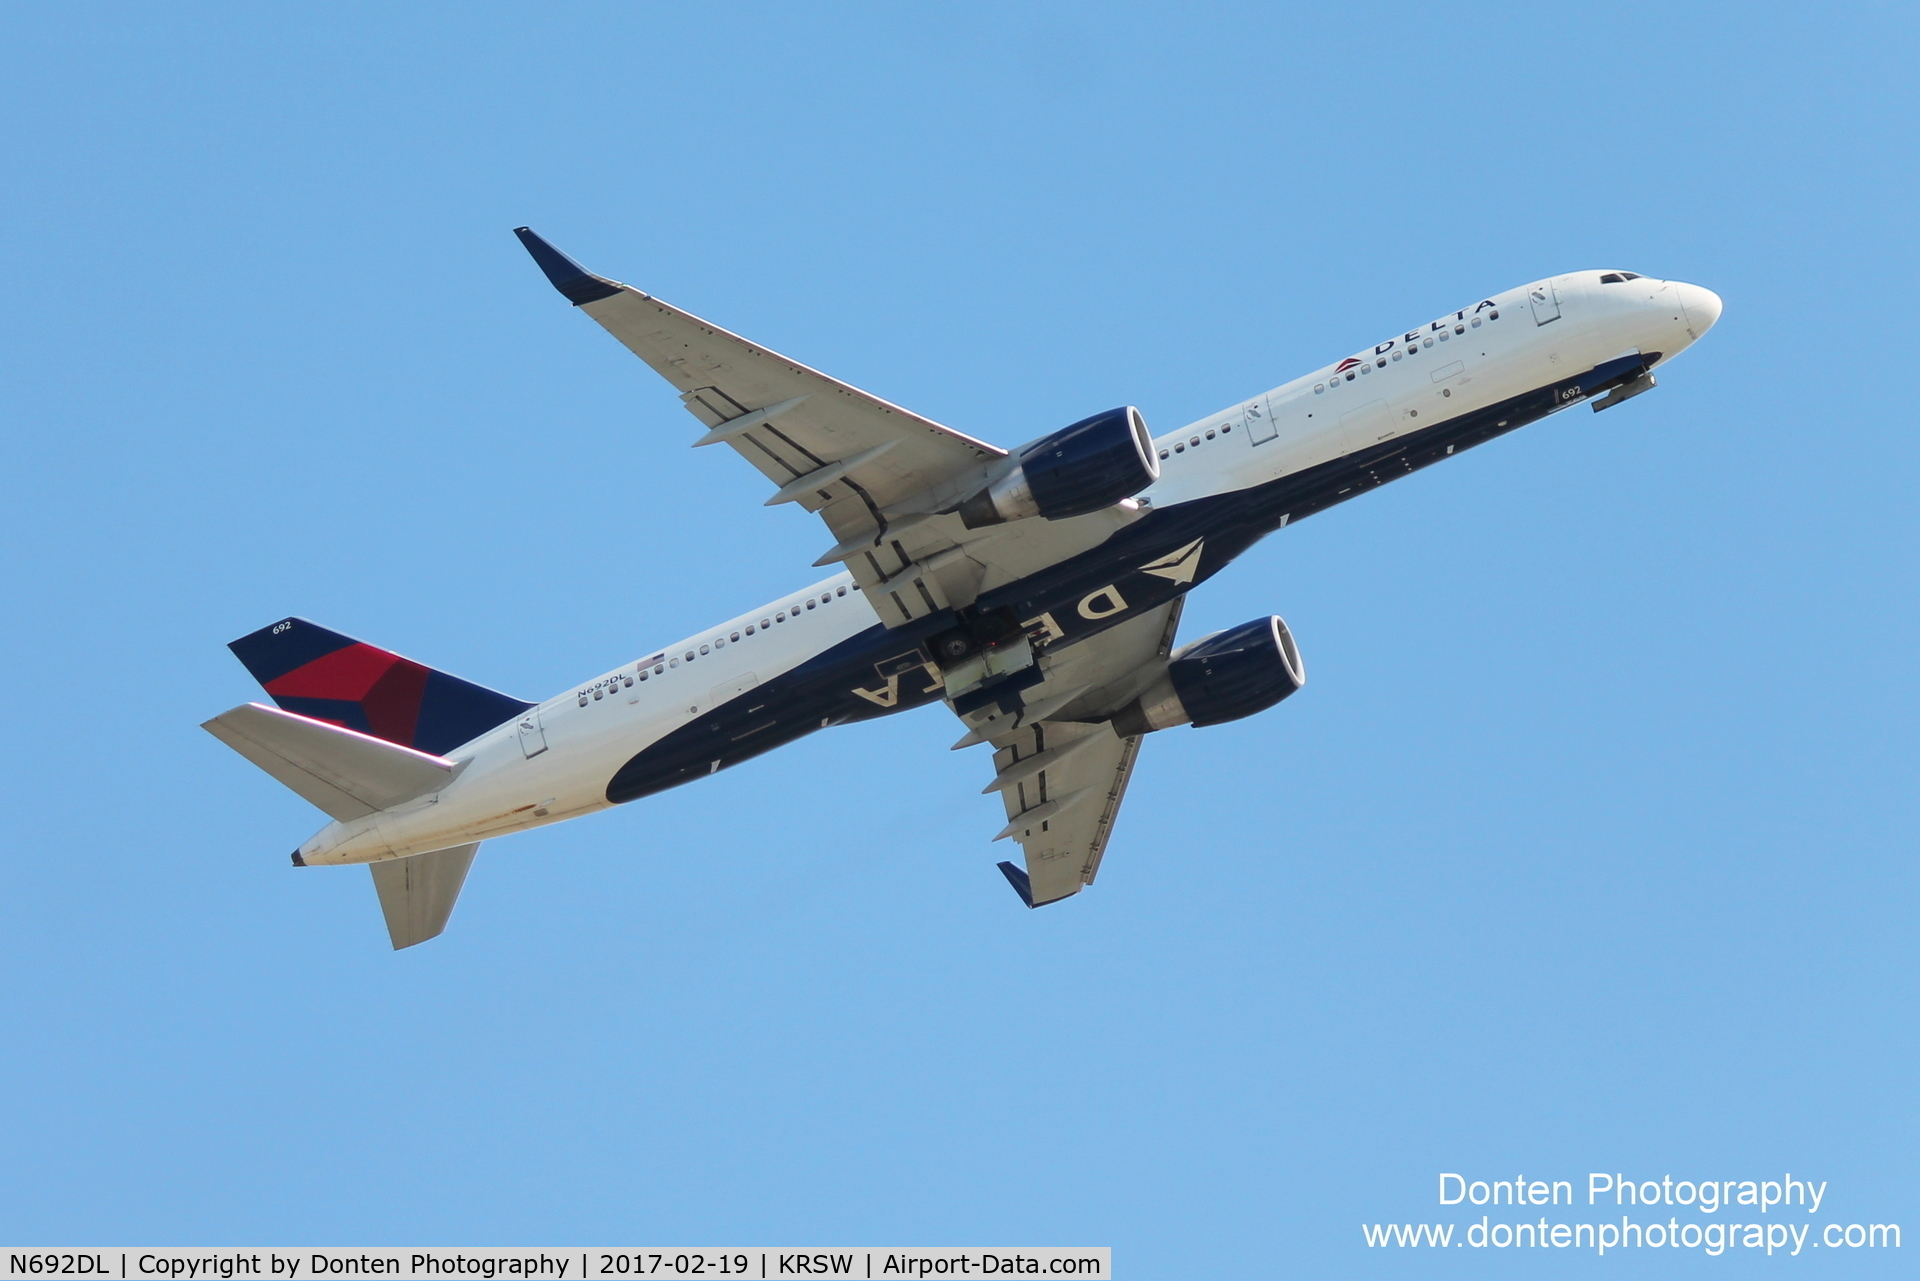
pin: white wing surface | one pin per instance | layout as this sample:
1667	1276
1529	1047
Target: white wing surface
877	474
1060	769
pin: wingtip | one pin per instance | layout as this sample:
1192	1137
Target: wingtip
575	283
1017	877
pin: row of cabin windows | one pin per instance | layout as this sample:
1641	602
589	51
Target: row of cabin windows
1381	362
1194	443
720	642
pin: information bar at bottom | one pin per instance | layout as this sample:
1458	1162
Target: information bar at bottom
574	1263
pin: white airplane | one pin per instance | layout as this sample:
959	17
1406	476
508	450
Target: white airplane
1035	592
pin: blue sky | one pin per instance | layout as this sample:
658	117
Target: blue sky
1589	846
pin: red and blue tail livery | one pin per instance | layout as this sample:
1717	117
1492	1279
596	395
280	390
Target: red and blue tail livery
313	672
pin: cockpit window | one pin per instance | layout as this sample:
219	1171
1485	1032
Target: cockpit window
1617	277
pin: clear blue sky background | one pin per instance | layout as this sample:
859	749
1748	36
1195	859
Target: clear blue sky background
1590	845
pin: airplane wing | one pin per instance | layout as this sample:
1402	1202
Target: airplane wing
1061	770
877	474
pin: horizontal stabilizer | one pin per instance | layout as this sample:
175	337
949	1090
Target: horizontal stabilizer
346	773
417	894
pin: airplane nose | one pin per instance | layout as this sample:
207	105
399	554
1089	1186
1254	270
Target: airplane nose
1702	307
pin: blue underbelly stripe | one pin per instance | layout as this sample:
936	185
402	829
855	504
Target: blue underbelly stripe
821	691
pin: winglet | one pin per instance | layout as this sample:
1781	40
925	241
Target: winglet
576	283
1017	877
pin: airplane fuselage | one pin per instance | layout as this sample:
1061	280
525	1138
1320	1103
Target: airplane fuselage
821	656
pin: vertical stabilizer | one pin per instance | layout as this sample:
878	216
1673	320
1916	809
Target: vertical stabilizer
321	674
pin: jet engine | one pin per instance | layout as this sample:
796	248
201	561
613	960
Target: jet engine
1219	678
1079	469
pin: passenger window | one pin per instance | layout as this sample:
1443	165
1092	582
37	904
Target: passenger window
704	649
1166	453
841	591
735	636
809	604
1209	433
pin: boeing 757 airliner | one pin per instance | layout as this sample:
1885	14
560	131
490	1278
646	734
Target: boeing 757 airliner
1036	591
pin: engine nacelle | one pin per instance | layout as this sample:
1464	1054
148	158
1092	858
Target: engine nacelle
1219	678
1079	469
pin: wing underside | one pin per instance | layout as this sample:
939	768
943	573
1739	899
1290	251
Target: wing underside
1063	814
1060	768
883	479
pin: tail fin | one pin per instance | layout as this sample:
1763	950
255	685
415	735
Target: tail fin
313	672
